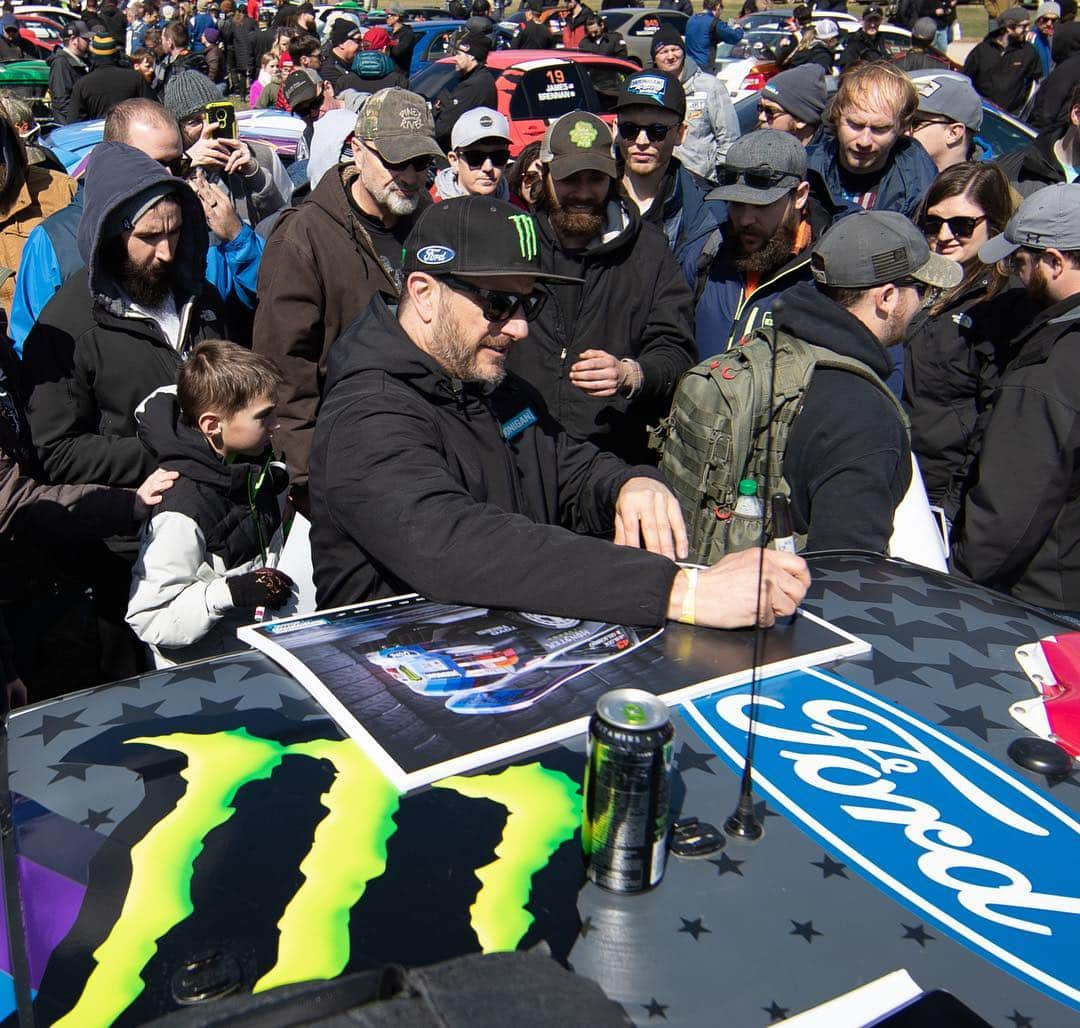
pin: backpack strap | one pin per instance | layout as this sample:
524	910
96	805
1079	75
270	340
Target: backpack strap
704	262
838	362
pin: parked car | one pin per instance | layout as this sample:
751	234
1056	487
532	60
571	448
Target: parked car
637	26
28	79
40	30
780	18
536	86
433	41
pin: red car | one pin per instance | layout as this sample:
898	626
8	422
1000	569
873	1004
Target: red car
537	86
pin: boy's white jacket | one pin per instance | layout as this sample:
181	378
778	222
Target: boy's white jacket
212	525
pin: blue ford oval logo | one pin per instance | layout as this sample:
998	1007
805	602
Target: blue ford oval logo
435	255
940	827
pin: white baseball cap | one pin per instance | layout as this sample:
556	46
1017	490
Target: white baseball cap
479	123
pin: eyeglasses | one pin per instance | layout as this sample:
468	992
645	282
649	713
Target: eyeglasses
497	305
178	166
1015	262
655	133
962	227
476	158
755	178
418	164
922	120
770	114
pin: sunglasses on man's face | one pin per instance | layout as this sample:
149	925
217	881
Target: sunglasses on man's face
418	164
495	304
961	226
755	178
178	166
476	158
655	133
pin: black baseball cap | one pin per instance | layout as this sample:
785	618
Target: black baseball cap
474	237
475	45
653	89
873	13
75	29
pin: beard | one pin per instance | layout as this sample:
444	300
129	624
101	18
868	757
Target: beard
391	196
1038	288
147	287
586	224
459	358
775	252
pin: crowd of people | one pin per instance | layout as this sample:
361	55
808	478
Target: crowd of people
454	363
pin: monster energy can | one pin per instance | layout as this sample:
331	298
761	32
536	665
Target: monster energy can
625	816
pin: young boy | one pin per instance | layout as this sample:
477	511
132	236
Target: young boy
203	564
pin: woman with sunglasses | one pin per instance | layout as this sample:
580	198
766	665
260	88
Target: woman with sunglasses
956	344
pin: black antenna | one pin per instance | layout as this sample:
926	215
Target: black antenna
743	822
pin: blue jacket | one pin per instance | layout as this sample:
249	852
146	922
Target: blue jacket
50	257
908	175
703	32
686	217
1042	48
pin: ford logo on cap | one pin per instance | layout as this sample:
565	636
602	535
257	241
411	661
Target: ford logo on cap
435	255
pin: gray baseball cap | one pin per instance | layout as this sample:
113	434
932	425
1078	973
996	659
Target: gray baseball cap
1050	217
761	167
951	96
871	248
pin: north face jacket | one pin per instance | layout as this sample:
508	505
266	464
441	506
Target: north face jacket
464	494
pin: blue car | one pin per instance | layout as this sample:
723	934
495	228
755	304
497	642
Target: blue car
433	40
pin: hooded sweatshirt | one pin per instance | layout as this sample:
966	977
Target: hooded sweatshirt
446	186
848	459
219	519
464	494
92	358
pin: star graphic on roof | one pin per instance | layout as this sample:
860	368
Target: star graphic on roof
806	929
830	867
586	927
917	934
693	760
655	1009
775	1012
1020	1021
299	707
964	674
131	713
213	707
96	818
1053	781
68	770
762	811
52	726
725	865
695	927
973	719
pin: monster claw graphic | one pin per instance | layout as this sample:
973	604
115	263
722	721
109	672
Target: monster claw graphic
543	811
348	851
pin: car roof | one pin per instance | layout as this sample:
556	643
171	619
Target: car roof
502	59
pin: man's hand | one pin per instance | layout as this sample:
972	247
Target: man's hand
599	374
727	593
240	157
149	493
221	216
647	514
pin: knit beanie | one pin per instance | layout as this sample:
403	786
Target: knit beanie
667	35
103	46
187	92
799	91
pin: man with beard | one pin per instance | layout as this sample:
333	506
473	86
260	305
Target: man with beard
848	455
436	471
650	112
599	40
869	162
326	259
1020	522
119	328
1004	65
763	248
605	355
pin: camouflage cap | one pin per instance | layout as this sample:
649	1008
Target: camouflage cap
397	124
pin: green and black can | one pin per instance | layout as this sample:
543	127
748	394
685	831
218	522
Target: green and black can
625	816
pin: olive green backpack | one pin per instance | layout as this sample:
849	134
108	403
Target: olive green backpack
717	434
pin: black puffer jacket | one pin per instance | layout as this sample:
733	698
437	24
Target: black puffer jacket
1020	521
952	362
848	461
634	303
420	483
1035	166
90	360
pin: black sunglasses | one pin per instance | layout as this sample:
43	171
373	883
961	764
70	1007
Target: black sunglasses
655	133
476	158
962	227
497	305
178	166
755	178
418	164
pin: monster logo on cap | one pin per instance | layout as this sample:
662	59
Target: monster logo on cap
526	230
583	135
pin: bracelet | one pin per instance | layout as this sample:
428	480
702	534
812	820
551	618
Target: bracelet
637	376
689	603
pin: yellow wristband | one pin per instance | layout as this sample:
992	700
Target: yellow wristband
689	603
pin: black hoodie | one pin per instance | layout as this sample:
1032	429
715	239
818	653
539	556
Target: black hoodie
90	359
848	460
419	482
1036	165
218	518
